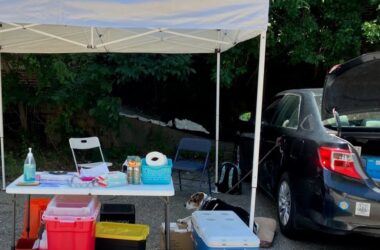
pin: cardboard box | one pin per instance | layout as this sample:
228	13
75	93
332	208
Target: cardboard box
180	237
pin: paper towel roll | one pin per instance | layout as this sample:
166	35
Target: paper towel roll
155	159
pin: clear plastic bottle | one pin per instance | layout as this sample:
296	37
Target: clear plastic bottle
29	167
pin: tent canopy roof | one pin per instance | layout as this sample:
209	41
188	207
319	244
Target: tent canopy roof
129	26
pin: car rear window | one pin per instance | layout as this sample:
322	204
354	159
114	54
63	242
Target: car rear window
318	100
360	120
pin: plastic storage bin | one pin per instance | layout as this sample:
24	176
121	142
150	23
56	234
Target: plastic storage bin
157	174
372	165
117	212
72	232
37	208
72	205
216	230
116	236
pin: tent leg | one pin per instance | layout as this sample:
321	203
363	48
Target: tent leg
259	104
2	131
217	117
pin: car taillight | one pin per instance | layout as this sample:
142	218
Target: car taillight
338	160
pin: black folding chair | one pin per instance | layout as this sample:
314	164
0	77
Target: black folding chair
193	155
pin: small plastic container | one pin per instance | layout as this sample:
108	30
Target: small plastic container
156	174
37	208
216	230
71	205
132	167
116	236
117	212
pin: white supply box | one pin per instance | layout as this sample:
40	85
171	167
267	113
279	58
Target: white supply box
72	205
217	230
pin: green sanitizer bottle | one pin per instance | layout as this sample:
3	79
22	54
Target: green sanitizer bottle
30	167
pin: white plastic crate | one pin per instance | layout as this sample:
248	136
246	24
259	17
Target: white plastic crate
71	205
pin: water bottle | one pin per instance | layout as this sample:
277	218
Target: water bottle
29	167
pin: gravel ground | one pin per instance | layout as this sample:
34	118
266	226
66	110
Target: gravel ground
150	210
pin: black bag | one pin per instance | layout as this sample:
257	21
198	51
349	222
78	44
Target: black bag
229	177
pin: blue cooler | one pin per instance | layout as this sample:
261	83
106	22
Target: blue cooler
217	230
372	165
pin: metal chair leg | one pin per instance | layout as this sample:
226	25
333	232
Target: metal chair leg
203	174
209	181
179	177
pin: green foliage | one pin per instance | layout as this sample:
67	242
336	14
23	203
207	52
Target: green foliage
160	68
236	62
14	164
315	32
71	94
106	111
372	32
371	27
159	140
57	96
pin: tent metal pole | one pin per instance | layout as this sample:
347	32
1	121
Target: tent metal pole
259	104
217	117
2	130
196	37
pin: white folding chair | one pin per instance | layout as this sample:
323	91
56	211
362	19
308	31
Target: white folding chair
86	143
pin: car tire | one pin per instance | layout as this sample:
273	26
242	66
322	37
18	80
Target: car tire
286	207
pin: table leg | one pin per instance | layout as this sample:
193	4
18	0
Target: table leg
28	218
167	224
13	246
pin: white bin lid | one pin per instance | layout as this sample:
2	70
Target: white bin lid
223	229
72	205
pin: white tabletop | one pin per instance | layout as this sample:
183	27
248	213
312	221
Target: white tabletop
128	190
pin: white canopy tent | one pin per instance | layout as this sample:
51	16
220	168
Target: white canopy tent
136	26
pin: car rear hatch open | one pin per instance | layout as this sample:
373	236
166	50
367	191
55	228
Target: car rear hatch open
351	105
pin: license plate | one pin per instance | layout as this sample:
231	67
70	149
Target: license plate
363	209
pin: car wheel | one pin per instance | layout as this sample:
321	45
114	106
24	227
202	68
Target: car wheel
286	207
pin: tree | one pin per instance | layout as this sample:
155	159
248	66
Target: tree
371	27
71	94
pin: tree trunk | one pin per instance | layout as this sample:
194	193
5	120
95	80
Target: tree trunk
23	116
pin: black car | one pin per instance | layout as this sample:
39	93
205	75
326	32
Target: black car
320	152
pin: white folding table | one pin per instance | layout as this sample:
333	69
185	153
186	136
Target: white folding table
164	191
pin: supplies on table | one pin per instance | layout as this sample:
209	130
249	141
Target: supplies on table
30	167
132	166
82	182
180	237
116	236
54	178
70	222
112	179
100	169
117	212
156	169
213	230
